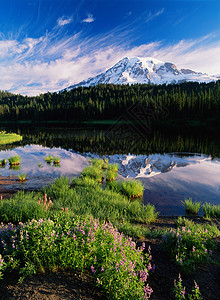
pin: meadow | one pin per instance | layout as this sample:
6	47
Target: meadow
99	225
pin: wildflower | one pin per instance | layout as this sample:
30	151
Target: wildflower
102	269
93	270
98	281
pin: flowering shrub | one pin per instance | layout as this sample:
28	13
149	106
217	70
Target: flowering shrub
190	245
180	291
120	269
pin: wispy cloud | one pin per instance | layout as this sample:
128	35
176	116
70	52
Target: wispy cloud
64	21
89	19
53	62
151	16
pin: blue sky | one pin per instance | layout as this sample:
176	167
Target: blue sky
47	45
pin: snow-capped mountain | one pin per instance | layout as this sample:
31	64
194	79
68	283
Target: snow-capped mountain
144	70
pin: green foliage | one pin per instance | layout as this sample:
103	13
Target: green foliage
37	246
192	208
211	211
191	245
14	160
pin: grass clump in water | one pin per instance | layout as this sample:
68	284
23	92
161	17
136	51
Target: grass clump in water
192	208
113	167
14	160
49	159
56	160
94	172
3	162
132	188
22	177
211	211
111	175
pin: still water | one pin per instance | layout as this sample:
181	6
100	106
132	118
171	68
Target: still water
172	166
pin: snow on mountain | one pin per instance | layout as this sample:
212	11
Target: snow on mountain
144	70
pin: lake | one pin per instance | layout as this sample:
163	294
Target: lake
172	164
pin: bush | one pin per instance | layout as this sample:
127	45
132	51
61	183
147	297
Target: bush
119	268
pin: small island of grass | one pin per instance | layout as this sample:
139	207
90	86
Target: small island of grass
8	138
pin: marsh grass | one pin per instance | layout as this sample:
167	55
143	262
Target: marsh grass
49	159
111	175
132	188
192	208
14	160
112	167
98	163
56	160
3	162
21	208
94	172
22	177
211	211
7	138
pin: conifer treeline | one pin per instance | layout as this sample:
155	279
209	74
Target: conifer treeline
186	101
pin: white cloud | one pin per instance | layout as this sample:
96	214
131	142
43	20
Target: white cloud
64	21
52	62
89	19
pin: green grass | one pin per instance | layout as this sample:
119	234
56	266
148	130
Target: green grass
112	167
56	160
49	159
111	175
8	138
211	211
21	208
130	188
94	172
3	162
14	160
22	177
192	208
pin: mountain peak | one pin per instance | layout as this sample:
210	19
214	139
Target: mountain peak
131	70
